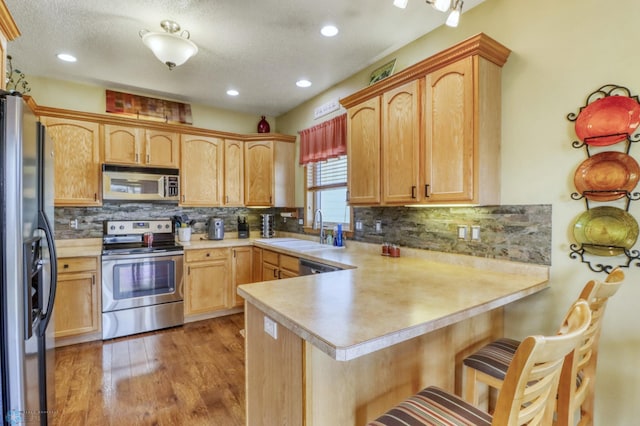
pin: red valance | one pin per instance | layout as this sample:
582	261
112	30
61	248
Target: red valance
323	141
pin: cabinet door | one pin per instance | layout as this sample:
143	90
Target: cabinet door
363	152
449	153
258	173
201	171
161	149
207	287
233	173
242	272
284	174
256	273
76	305
76	146
401	118
122	145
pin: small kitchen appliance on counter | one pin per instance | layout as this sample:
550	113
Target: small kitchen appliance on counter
215	229
243	227
266	226
142	284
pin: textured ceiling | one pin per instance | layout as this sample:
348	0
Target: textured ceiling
258	47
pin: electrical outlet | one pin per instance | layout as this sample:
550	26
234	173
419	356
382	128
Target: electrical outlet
73	224
378	226
358	225
271	327
462	232
301	221
475	233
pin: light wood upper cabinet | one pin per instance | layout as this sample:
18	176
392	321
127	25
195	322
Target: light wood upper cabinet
201	171
161	149
233	173
76	146
462	143
258	173
363	152
77	306
140	147
401	124
440	127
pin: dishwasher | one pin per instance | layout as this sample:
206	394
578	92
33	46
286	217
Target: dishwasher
309	267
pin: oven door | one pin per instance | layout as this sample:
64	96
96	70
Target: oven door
133	280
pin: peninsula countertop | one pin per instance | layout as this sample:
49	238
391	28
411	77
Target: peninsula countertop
383	301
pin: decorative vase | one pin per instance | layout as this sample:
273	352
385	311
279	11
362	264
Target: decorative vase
263	126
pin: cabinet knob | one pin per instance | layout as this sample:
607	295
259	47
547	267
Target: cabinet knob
208	254
65	266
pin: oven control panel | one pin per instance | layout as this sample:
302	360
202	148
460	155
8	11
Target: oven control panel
128	227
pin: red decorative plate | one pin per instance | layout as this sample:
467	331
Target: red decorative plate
608	120
607	176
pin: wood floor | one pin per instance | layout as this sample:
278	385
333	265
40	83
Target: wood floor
190	375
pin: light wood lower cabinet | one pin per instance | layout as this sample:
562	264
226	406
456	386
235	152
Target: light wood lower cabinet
207	281
277	266
212	279
242	271
77	305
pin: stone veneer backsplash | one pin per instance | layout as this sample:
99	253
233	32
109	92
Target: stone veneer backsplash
520	233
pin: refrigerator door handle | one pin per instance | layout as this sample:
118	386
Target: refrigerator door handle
43	224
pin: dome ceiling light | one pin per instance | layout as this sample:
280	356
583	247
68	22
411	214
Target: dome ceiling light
171	48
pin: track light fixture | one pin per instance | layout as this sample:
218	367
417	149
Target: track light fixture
454	7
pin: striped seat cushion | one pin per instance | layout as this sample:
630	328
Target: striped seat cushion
433	406
494	359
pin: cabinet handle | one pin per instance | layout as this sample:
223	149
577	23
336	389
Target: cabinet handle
95	196
182	197
65	266
137	157
234	252
413	191
426	190
347	195
275	273
93	280
188	270
148	158
279	274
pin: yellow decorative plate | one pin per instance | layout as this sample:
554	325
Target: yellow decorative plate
606	231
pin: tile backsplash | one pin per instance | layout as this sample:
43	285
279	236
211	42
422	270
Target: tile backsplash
519	233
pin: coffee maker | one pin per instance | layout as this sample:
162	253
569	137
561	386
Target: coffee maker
243	227
216	229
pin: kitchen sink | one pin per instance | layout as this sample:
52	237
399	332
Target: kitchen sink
296	244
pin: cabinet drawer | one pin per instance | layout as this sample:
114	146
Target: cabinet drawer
270	257
289	262
206	254
77	264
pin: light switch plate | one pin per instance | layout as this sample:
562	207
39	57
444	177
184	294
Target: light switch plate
475	233
462	232
378	226
271	327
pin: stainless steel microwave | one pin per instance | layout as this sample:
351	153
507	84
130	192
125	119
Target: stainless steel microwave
125	183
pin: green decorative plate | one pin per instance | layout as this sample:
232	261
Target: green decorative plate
606	231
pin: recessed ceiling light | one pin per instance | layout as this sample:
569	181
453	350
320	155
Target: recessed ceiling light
303	83
329	31
66	57
232	92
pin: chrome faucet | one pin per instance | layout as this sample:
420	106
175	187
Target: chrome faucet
317	213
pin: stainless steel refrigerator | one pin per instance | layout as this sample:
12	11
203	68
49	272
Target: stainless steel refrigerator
28	267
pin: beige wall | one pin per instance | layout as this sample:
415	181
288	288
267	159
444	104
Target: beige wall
562	51
87	98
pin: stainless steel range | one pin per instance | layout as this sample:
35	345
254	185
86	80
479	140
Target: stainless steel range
142	283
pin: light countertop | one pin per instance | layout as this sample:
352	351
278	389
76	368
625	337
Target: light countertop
384	301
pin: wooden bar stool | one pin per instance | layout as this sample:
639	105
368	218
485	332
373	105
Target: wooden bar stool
528	394
489	364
